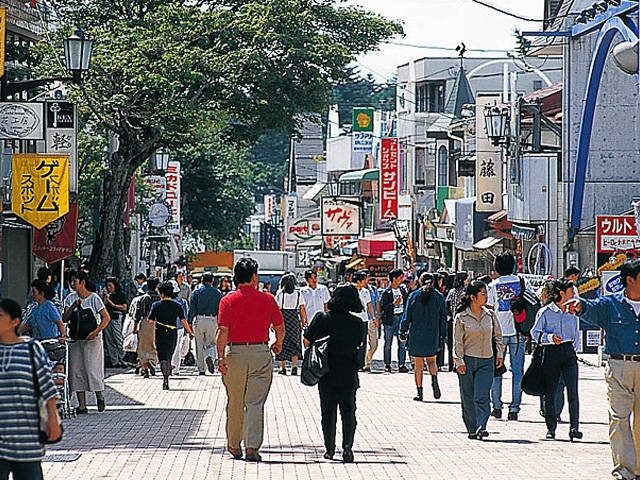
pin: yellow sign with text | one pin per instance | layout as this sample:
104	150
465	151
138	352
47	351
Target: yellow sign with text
40	187
3	37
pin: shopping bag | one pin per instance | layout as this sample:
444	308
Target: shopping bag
130	343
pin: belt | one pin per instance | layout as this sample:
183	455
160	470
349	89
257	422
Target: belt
632	358
236	344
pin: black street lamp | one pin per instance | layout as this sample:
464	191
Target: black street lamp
496	121
77	58
159	161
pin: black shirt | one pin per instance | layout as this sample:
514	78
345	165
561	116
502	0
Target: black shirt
117	298
345	332
166	313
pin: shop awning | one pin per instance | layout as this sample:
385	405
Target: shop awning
314	191
375	245
367	175
486	243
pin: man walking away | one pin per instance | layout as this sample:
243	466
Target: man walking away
500	292
374	320
244	357
619	316
360	280
393	301
203	315
316	296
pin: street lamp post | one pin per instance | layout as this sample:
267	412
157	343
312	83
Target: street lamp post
158	161
77	59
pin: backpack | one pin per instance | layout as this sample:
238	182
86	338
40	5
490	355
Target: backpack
524	307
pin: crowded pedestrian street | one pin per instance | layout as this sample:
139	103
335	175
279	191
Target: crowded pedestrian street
150	434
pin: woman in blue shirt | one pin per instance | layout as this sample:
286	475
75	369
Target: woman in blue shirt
557	330
44	321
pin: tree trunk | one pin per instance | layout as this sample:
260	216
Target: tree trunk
108	256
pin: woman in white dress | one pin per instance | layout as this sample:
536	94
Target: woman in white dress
87	318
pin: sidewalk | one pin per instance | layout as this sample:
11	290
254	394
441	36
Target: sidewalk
147	433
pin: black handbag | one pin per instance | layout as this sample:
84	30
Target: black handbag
534	382
315	362
83	322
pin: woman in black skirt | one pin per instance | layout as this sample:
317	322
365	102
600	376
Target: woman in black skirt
167	313
292	305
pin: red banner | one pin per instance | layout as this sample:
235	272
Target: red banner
57	240
616	233
389	179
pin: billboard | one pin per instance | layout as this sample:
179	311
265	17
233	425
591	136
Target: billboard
340	216
389	179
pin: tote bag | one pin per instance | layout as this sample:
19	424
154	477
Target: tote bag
533	381
315	362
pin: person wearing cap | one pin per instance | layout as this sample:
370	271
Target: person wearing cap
165	314
203	315
244	357
425	321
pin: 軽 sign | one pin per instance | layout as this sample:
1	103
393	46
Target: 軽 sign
389	179
40	187
61	135
57	240
340	216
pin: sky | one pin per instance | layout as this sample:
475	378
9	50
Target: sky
445	23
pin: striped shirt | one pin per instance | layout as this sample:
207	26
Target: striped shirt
19	418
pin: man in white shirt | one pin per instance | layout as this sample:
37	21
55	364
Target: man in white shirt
316	296
500	293
361	282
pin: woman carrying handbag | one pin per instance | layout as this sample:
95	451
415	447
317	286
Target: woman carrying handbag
21	442
558	332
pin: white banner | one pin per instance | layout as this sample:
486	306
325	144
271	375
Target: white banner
172	176
488	161
340	216
269	208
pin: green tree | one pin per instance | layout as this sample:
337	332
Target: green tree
164	69
358	91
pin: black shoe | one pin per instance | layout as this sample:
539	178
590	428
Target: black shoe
137	370
201	373
101	405
145	374
152	370
387	368
294	371
541	412
211	366
165	385
436	388
418	397
551	435
347	456
328	455
472	436
481	434
558	419
403	369
496	413
366	369
282	372
252	455
82	411
575	433
512	416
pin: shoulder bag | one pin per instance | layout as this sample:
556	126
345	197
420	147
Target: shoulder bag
41	405
83	322
533	381
315	362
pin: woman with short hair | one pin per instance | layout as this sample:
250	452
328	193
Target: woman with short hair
557	331
116	304
338	387
87	318
476	329
44	321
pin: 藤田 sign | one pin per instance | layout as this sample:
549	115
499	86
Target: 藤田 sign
40	187
389	179
488	161
340	216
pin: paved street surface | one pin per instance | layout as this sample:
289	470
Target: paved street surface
147	433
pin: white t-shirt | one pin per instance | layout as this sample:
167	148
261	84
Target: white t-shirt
635	304
365	299
93	302
289	301
397	309
500	293
314	299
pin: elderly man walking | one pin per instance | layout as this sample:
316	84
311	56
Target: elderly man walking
203	315
619	316
244	357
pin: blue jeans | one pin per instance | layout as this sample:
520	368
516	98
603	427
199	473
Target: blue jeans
391	331
516	358
474	392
